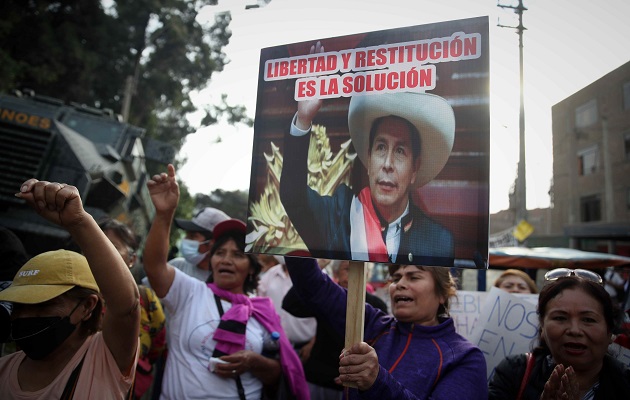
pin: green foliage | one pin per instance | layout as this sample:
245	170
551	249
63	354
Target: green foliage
235	114
60	49
152	50
232	203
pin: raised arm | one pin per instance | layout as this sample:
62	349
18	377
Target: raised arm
61	204
164	192
308	109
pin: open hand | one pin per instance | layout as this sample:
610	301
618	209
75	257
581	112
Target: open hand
307	109
164	190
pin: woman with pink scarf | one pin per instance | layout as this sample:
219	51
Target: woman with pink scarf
216	332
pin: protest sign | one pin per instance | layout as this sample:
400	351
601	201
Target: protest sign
502	324
465	310
466	307
317	184
620	353
507	324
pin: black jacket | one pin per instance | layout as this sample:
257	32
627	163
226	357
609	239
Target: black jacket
614	379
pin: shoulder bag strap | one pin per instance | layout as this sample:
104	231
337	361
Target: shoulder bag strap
239	384
219	305
71	385
68	391
528	371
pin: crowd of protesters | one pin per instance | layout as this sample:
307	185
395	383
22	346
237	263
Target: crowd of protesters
216	322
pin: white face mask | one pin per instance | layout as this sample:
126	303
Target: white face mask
190	251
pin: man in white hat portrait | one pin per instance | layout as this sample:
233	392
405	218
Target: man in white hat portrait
404	140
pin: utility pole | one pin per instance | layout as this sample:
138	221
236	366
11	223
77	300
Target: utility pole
521	192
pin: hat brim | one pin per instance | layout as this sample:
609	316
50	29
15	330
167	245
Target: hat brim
33	294
432	116
229	225
189	226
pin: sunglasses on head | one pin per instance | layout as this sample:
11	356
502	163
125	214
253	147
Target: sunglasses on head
557	273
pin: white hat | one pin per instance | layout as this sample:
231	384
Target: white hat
204	221
432	116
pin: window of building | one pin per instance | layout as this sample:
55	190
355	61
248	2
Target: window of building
626	145
628	198
590	208
586	114
588	161
626	96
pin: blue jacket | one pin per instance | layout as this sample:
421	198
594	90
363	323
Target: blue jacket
416	362
323	222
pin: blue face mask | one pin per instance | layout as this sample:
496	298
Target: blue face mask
190	251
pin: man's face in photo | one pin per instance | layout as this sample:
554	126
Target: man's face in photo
391	167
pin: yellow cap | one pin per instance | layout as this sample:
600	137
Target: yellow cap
49	275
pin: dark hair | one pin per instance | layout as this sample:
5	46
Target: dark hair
250	284
413	134
121	230
93	324
445	284
595	290
207	235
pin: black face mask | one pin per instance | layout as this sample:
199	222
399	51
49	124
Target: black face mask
39	336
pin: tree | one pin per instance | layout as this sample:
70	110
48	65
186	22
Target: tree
60	49
232	203
172	56
152	53
147	54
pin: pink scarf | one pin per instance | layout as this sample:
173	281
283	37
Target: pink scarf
377	250
261	308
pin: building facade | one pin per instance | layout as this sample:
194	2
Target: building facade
590	195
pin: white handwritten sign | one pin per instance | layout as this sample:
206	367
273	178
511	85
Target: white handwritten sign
507	324
502	324
620	353
465	310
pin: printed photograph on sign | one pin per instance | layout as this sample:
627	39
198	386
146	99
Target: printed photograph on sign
375	147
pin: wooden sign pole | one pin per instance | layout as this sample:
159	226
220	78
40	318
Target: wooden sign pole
355	314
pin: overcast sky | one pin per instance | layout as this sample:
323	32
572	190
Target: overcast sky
567	45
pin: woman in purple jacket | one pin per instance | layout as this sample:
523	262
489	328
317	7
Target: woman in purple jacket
416	354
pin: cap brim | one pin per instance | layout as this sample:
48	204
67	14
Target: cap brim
33	294
189	226
230	225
